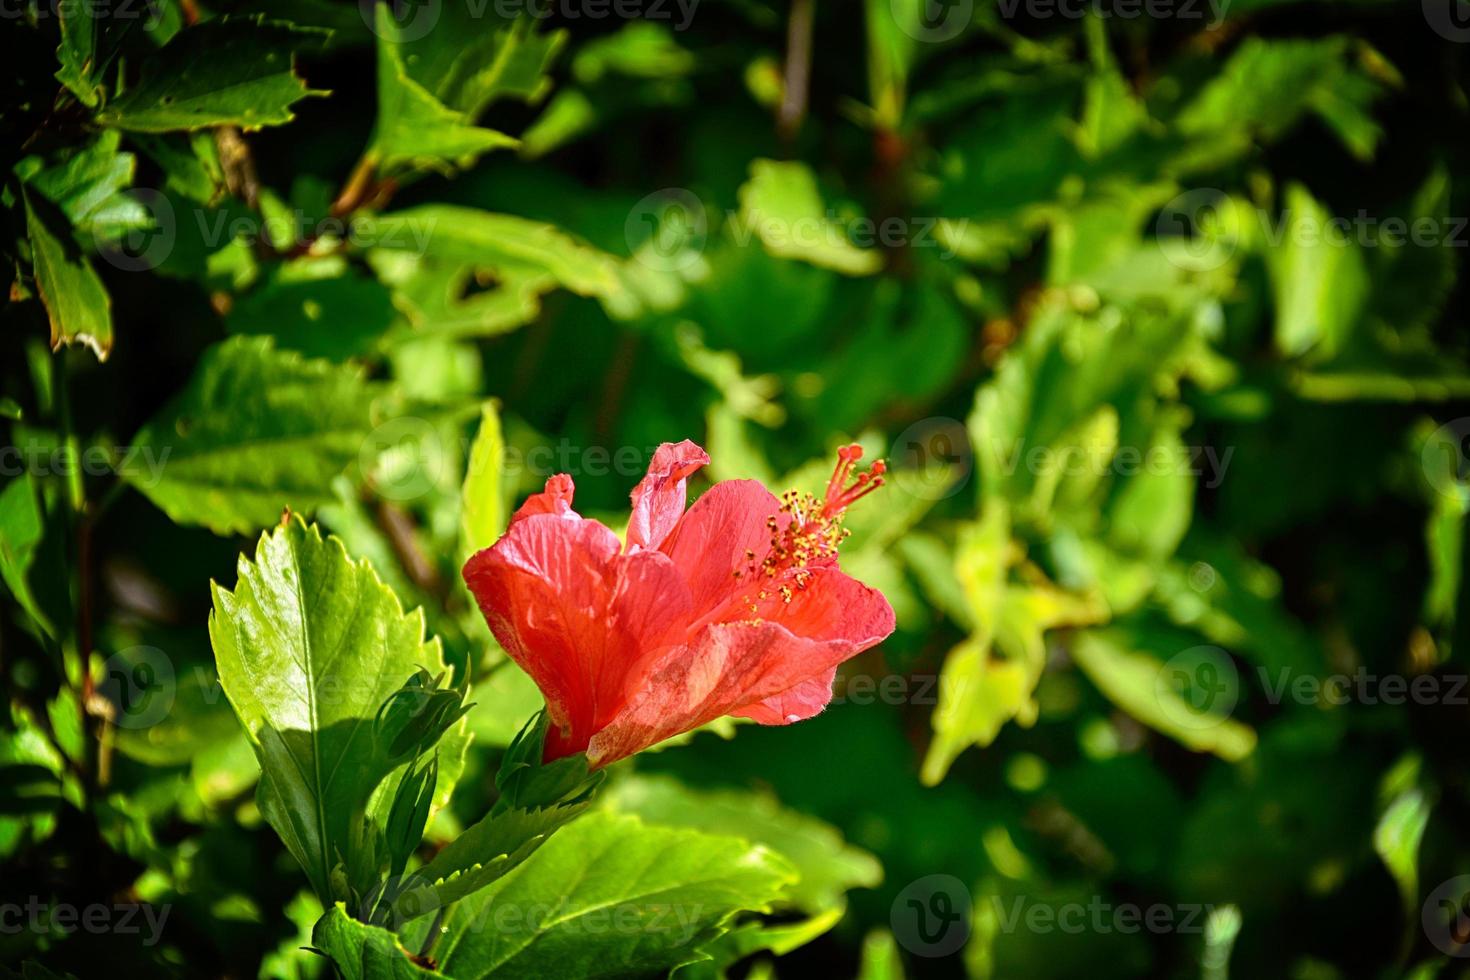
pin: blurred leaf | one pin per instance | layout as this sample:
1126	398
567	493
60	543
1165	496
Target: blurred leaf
21	529
782	207
482	498
1133	680
318	307
485	273
1318	276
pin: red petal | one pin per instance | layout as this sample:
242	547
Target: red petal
658	499
555	499
582	620
734	666
709	545
805	700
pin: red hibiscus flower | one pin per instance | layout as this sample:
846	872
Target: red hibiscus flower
735	607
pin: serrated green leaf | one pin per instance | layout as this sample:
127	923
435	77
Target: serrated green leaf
607	896
309	646
416	128
76	302
255	430
223	72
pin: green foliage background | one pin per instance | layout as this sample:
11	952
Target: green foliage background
1155	315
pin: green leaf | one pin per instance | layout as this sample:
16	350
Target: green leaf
482	515
491	848
608	897
76	302
21	529
87	186
1269	84
881	960
416	127
485	273
1318	277
782	206
364	952
828	866
318	306
255	430
1135	682
309	646
222	72
78	52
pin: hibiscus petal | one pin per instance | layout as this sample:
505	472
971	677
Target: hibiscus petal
658	499
805	700
556	499
709	544
585	622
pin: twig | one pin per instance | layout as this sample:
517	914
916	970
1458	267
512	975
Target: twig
798	69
